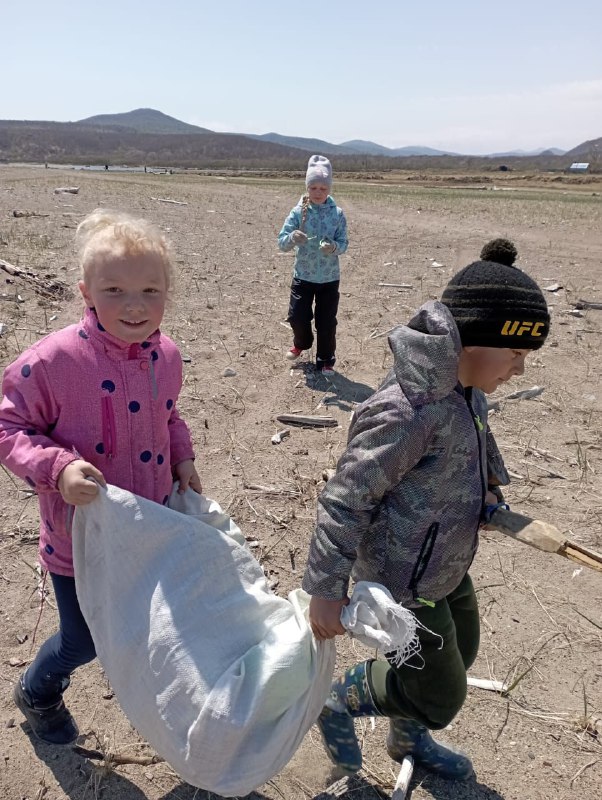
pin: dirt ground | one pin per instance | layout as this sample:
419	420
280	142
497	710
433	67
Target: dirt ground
541	615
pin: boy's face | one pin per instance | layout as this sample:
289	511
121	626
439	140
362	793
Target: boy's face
486	368
318	193
128	293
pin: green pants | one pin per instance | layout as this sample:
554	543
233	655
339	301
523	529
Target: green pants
431	686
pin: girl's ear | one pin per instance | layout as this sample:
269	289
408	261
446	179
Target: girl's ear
85	294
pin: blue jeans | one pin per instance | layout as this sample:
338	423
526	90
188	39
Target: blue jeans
48	676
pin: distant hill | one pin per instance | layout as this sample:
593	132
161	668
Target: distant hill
587	151
147	136
352	148
373	149
311	145
541	151
76	143
143	120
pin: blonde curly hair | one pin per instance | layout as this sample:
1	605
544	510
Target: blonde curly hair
105	232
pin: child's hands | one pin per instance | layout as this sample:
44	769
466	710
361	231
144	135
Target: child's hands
298	237
325	617
327	247
73	483
186	473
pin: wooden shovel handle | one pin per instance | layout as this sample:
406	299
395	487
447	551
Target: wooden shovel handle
543	536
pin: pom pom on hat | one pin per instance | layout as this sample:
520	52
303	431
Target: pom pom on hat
495	304
502	251
319	170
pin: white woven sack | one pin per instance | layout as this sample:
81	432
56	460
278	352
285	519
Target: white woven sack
222	677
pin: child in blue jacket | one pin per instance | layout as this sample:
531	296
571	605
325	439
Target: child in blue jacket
317	228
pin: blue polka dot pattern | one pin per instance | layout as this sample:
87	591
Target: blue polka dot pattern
100	448
29	481
169	404
108	386
146	456
134	406
83	334
31	431
154	355
49	549
160	459
145	345
26	370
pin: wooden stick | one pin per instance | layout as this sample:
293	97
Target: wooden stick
402	784
485	683
588	304
312	422
167	200
398	285
542	536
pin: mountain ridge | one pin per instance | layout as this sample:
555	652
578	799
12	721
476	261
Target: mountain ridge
146	135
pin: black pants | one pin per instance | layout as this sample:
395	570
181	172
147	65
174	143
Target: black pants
69	648
431	687
300	315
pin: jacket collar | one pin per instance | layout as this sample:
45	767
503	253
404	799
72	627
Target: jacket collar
91	329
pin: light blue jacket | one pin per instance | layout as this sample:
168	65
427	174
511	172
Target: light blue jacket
324	221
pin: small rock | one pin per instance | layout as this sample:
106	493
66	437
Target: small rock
229	372
10	722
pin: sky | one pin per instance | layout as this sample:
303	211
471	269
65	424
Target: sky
467	77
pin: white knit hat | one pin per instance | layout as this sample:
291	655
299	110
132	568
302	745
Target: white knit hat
319	170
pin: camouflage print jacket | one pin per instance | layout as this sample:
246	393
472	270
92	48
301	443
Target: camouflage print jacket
405	504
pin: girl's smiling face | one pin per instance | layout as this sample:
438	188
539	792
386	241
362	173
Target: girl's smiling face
318	193
128	292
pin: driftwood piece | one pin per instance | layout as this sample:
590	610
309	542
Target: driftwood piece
398	285
67	190
486	683
588	304
307	421
43	286
115	758
525	394
542	536
348	786
19	214
402	784
167	200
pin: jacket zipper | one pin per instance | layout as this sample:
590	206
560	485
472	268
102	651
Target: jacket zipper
108	426
422	562
478	426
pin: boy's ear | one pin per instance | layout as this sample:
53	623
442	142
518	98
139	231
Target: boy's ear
85	294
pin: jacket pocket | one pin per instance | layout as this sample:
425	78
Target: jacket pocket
424	557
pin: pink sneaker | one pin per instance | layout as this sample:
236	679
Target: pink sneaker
293	353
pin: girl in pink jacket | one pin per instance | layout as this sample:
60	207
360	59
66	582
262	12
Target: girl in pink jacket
94	400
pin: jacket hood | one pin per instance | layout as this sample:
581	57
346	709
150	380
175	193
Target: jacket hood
426	353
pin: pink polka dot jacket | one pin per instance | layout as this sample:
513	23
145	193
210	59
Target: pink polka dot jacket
82	393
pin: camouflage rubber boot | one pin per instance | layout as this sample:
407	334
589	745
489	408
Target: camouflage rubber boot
349	697
408	737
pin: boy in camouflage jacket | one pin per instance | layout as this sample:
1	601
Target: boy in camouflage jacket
407	500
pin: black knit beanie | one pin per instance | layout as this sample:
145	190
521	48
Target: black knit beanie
496	304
